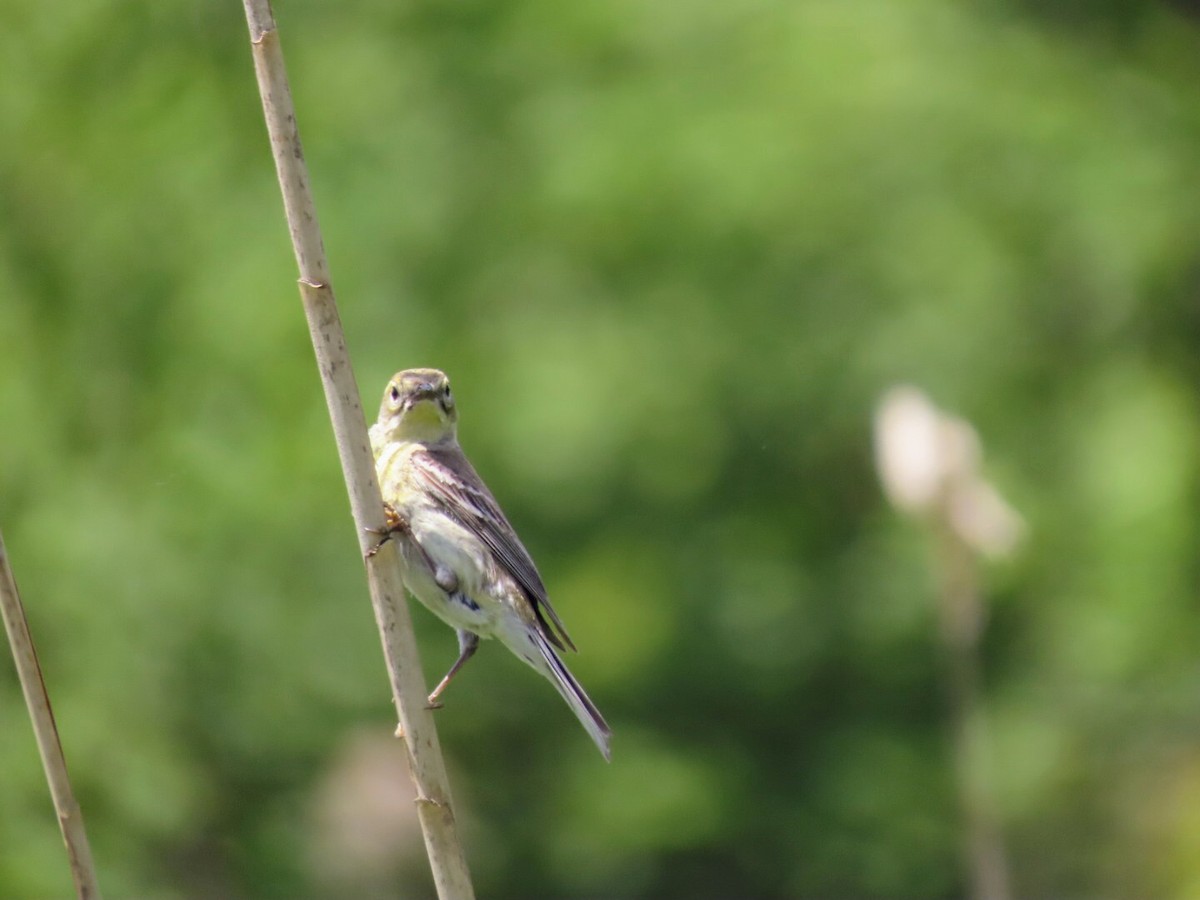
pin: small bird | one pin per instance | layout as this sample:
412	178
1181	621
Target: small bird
462	558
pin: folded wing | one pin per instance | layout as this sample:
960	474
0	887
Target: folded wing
452	481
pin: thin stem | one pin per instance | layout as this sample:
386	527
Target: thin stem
37	700
962	616
446	858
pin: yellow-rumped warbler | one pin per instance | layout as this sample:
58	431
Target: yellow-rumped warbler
462	558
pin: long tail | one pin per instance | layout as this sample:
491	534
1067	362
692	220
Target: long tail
573	692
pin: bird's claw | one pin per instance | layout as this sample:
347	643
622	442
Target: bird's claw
393	524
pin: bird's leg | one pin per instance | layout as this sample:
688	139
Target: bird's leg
468	643
442	575
393	525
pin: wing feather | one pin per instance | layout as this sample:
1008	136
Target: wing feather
448	476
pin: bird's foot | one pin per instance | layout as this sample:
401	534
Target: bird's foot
393	524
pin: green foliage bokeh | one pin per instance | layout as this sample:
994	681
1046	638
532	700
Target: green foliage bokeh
671	255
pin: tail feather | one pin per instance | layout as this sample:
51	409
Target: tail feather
573	692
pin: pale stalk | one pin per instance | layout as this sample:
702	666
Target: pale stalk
929	465
962	615
37	700
446	858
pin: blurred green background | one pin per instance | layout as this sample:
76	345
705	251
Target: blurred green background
671	255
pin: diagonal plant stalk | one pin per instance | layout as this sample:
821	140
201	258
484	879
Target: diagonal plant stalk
446	858
70	818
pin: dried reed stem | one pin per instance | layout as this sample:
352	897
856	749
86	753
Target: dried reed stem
37	700
446	858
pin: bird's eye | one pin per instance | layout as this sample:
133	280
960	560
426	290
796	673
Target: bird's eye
447	396
394	393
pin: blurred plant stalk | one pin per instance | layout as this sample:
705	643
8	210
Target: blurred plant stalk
37	701
929	463
438	825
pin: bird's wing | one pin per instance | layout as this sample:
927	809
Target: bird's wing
450	478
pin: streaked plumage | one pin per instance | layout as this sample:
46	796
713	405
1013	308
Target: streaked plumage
463	559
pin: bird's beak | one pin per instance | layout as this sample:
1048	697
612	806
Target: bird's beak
422	392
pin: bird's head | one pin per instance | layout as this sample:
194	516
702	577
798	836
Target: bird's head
418	406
